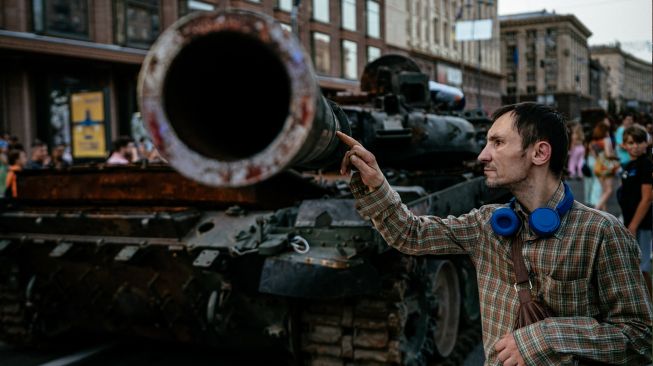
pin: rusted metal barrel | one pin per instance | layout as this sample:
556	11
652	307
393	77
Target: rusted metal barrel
231	99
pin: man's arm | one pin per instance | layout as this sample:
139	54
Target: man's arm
642	208
414	234
621	334
399	227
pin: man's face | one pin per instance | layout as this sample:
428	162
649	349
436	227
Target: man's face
40	153
634	149
505	162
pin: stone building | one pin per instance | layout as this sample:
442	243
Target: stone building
56	52
425	31
629	79
546	59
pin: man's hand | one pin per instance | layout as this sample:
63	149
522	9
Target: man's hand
362	160
508	352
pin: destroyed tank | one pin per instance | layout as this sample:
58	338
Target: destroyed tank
245	240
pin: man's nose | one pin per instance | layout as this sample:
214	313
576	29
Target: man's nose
484	156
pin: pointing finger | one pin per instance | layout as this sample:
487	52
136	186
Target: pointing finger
349	141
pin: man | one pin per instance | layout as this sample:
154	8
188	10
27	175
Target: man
40	158
586	271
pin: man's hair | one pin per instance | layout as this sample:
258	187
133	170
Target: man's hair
13	156
637	132
37	143
537	122
121	142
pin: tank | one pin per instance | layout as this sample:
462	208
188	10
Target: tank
247	240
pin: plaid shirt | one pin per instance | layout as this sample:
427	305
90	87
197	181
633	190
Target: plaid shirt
587	273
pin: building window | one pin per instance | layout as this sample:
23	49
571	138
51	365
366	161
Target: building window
349	60
436	31
67	18
189	6
511	91
349	14
321	54
373	53
321	10
530	89
447	36
285	5
137	22
373	19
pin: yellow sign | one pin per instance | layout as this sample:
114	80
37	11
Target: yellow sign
89	137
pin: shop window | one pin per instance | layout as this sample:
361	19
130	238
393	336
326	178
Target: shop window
65	18
349	60
321	55
189	6
137	22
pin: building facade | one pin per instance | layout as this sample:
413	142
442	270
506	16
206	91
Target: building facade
425	31
546	59
70	62
629	79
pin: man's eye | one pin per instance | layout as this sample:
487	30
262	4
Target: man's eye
497	143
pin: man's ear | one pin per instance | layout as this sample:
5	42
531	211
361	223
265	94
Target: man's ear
541	153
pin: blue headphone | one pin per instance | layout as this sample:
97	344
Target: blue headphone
543	221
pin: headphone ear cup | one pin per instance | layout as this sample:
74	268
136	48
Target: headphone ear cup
544	221
504	221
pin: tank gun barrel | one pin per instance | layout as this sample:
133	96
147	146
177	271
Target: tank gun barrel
231	99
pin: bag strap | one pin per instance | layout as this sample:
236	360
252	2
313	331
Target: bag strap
521	272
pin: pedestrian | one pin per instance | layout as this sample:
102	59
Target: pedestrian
58	160
576	151
622	154
40	158
124	151
581	263
4	166
606	163
636	195
17	160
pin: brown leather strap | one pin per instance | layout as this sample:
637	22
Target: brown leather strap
521	272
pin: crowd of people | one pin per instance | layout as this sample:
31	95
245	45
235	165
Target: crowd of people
14	158
618	154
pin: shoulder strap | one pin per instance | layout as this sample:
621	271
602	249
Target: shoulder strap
521	273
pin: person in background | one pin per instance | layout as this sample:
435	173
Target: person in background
622	154
4	166
58	161
40	158
601	145
576	151
124	151
636	195
17	160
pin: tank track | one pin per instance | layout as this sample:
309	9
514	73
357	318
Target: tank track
370	330
468	339
366	333
15	318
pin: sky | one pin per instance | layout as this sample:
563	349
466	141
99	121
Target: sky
626	21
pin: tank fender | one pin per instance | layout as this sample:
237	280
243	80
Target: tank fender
318	275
